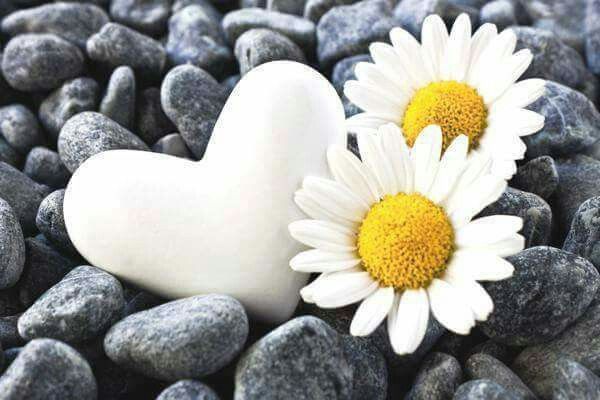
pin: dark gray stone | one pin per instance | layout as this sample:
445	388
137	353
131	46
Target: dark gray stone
295	7
535	212
192	99
117	45
499	351
118	102
410	14
20	128
592	35
9	334
151	122
48	369
315	9
203	333
40	61
173	145
141	302
259	46
583	238
90	133
12	245
146	16
483	366
9	302
302	359
230	82
45	166
549	290
349	30
50	221
23	194
9	155
74	21
500	13
342	72
300	30
538	176
483	389
370	377
10	355
437	379
574	381
117	383
188	390
196	37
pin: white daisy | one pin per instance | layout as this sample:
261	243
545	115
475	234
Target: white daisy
395	232
463	83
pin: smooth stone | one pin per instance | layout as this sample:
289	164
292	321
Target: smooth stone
9	155
584	234
437	379
9	334
174	145
188	390
575	382
230	82
592	35
370	377
349	30
572	123
538	176
119	99
206	6
48	369
535	212
23	194
12	257
89	133
20	128
196	37
499	351
204	334
501	13
72	21
548	291
410	14
193	100
259	46
253	3
116	45
45	166
262	116
301	359
146	16
315	9
51	223
294	7
483	366
342	72
483	389
300	30
40	61
73	97
151	122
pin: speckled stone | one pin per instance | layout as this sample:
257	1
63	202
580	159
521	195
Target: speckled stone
20	128
188	390
301	359
90	133
118	102
592	35
315	9
574	381
146	16
10	303
483	389
12	247
549	290
45	166
9	335
370	376
500	13
437	379
499	351
8	154
48	369
206	5
538	176
172	144
151	122
583	238
410	14
204	333
295	7
50	221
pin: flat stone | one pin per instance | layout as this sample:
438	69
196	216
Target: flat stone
574	381
50	221
483	366
437	379
45	166
188	390
20	128
119	99
12	257
538	176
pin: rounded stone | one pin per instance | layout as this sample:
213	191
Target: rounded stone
294	7
574	381
173	145
370	377
9	155
149	17
12	256
20	128
188	390
51	223
151	122
118	102
500	13
583	238
438	378
45	166
483	389
410	14
538	176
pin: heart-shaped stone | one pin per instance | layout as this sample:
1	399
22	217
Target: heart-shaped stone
180	228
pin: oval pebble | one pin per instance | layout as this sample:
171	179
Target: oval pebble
12	256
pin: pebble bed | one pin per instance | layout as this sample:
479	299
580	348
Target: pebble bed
79	78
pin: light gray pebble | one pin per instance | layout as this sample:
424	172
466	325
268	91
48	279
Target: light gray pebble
173	145
410	14
206	6
151	122
370	376
45	166
574	381
146	16
253	3
538	176
118	102
583	238
203	333
40	61
20	128
12	247
438	378
295	7
90	133
188	390
315	9
51	223
500	13
483	389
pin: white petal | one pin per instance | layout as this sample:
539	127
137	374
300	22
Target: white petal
479	266
519	121
365	121
484	191
340	289
506	75
349	170
451	166
307	291
504	248
521	94
372	76
488	230
449	308
323	261
501	141
425	156
336	198
458	50
478	164
394	145
504	169
481	39
387	61
372	100
407	328
499	48
409	52
324	235
374	157
372	311
474	295
315	211
434	39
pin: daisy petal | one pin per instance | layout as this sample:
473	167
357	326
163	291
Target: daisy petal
474	295
425	156
371	75
504	248
488	230
387	60
500	47
336	198
479	266
521	94
349	170
340	289
324	235
504	169
520	121
373	156
506	75
394	145
449	308
307	291
407	328
372	100
372	311
323	261
434	38
361	121
484	191
481	39
315	211
409	52
456	59
451	166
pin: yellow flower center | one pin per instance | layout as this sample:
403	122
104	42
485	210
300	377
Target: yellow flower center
456	107
405	241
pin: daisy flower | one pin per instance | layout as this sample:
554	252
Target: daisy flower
395	232
463	83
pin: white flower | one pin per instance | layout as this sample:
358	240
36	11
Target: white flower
464	84
395	232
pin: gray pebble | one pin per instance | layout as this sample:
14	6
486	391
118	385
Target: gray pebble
300	30
20	128
301	359
151	122
10	304
259	46
315	9
117	45
188	390
9	155
85	303
410	14
499	351
574	381
349	30
73	97
483	389
203	333
592	35
196	37
10	355
48	369
192	99
483	366
583	238
342	72
50	221
141	302
370	377
117	383
23	194
12	247
9	334
206	6
548	291
295	7
173	145
538	176
40	61
45	166
90	133
438	378
500	13
253	3
146	16
230	82
73	21
118	102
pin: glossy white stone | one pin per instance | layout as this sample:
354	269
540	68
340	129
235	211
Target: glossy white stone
180	228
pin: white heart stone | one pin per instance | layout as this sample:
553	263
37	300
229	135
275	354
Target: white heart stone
180	228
